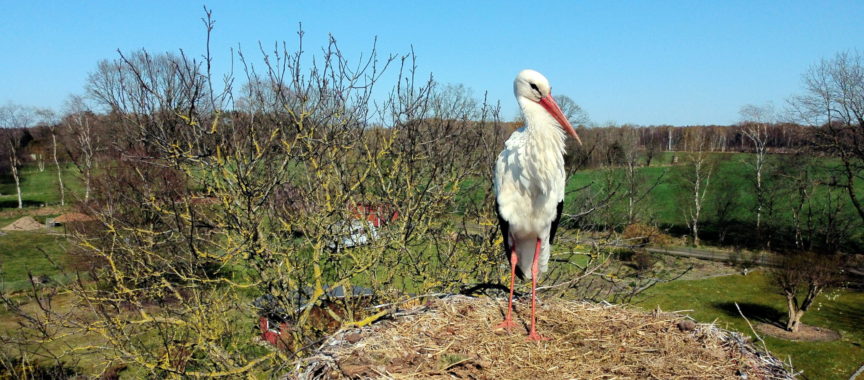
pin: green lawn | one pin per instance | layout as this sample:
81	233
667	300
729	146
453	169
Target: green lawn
30	252
732	184
38	188
713	300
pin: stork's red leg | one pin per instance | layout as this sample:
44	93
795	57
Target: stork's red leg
533	335
508	320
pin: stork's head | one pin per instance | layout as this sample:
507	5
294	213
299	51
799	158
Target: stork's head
531	86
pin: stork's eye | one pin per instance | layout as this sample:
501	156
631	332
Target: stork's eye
534	86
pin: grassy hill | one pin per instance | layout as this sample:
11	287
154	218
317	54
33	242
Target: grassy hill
714	299
25	253
730	205
39	188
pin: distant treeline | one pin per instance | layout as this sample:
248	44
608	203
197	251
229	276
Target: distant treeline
608	146
108	135
87	135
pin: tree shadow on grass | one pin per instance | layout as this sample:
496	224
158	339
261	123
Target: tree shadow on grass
744	234
14	203
753	312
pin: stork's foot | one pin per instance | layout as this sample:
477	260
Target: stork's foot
507	324
535	337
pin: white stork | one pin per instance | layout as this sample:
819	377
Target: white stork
529	185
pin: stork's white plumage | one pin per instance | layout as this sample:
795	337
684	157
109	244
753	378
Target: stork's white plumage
529	184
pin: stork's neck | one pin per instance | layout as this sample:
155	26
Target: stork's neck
542	132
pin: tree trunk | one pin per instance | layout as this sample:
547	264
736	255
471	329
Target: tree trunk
17	183
59	173
794	314
850	188
760	194
87	185
794	321
631	191
669	148
696	241
796	219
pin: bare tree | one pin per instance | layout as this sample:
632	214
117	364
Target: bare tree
13	120
832	221
78	120
48	118
11	139
833	103
205	205
630	144
651	143
755	122
37	150
796	177
572	111
140	84
696	178
669	138
802	276
637	186
726	200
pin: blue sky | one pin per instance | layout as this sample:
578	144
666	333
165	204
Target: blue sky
679	63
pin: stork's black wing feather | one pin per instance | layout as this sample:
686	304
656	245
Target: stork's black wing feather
555	222
504	226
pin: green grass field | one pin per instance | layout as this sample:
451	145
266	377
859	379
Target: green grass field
714	299
38	253
732	181
38	188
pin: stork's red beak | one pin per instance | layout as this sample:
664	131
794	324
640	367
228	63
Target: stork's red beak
548	102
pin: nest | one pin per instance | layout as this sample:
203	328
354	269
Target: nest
454	337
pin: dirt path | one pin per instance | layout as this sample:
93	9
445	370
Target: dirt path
33	211
757	259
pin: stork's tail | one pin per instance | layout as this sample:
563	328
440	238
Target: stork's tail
525	252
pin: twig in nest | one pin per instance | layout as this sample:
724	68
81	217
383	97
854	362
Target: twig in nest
764	346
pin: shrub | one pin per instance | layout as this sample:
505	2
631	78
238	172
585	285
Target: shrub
642	260
642	234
